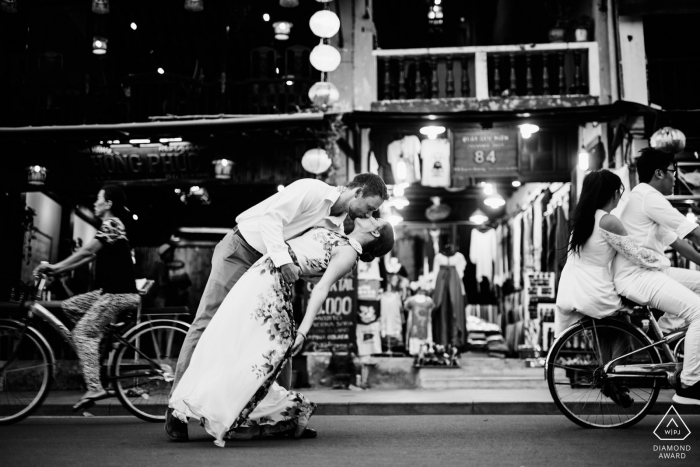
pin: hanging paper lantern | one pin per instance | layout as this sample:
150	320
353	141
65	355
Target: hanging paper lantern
324	58
222	168
99	45
37	175
289	3
194	5
316	161
668	139
324	23
100	7
8	6
282	30
324	94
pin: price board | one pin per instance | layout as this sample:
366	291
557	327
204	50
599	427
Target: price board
334	325
484	153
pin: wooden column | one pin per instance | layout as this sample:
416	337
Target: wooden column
528	75
512	84
561	77
418	82
433	78
545	74
386	95
466	91
450	79
402	78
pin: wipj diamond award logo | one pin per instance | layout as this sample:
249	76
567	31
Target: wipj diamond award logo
672	427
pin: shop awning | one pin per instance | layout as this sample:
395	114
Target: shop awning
163	127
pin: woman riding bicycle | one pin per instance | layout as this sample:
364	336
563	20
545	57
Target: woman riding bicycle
115	286
586	285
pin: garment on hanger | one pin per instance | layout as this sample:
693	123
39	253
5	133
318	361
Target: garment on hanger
517	229
457	260
391	318
402	155
435	154
448	318
419	327
528	253
369	339
482	253
373	164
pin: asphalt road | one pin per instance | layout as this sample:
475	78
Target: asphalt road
405	441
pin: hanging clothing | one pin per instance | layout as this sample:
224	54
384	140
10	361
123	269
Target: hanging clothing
457	260
369	338
448	319
392	322
499	274
517	230
435	154
419	329
482	253
402	155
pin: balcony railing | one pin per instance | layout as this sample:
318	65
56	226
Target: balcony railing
473	74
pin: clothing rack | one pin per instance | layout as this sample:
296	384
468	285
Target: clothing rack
530	201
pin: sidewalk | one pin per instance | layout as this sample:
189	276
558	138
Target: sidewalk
389	402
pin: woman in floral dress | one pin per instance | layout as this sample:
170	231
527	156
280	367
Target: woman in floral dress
230	383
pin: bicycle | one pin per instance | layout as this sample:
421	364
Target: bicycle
616	364
137	367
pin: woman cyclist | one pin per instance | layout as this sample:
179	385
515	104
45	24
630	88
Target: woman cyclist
115	287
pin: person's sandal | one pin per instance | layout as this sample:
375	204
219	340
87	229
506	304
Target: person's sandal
87	402
175	429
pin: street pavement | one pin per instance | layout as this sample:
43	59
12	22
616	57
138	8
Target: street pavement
446	440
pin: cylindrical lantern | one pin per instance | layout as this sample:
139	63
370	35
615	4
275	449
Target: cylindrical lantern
222	168
324	23
289	3
324	58
324	94
316	161
36	175
101	7
99	45
8	6
669	140
194	5
282	30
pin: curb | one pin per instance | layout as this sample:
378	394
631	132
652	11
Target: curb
387	409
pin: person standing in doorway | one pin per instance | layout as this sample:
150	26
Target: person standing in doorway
263	229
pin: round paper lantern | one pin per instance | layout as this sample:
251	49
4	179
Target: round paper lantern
324	23
668	139
316	161
289	3
324	94
324	58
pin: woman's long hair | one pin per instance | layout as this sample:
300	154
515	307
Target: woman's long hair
598	189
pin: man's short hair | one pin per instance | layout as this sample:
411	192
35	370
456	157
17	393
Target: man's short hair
372	185
650	161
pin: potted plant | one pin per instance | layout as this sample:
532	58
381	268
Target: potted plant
582	28
559	13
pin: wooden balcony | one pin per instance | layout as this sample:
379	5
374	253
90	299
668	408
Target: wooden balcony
505	77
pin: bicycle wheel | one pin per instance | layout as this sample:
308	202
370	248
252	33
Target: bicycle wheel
26	371
143	368
579	387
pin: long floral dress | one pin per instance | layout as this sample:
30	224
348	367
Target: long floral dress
230	382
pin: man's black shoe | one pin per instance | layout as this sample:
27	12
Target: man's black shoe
308	433
689	395
619	395
175	429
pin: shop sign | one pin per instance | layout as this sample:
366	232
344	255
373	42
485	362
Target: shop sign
152	162
484	153
334	326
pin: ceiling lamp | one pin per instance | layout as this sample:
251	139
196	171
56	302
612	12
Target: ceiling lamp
282	30
194	5
324	94
399	202
478	217
488	189
325	58
222	168
495	201
8	6
100	7
37	175
516	183
528	129
669	140
583	159
99	45
289	3
324	23
432	131
437	211
316	161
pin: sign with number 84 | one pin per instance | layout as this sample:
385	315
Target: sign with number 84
480	157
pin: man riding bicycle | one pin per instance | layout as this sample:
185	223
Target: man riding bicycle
648	216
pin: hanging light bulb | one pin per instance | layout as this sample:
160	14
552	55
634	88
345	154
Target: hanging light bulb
325	58
432	131
395	218
316	161
99	45
494	200
515	183
399	202
324	23
478	217
583	159
100	7
488	189
194	5
528	129
282	30
401	170
399	189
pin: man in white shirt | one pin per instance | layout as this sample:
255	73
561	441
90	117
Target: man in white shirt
265	228
648	217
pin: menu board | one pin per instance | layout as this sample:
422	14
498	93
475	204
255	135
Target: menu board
334	325
484	153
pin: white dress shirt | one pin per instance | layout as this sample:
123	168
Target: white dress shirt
650	221
300	206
